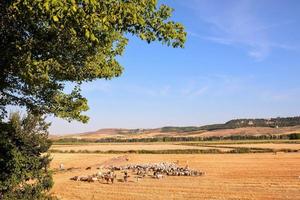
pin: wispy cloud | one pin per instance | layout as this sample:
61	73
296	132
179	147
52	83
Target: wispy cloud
286	95
213	85
200	91
193	90
165	90
157	91
97	86
237	23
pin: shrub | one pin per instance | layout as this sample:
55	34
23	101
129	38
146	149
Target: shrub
24	170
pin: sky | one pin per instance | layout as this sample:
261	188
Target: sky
241	60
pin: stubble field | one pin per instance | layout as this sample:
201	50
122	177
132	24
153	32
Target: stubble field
266	145
127	147
228	176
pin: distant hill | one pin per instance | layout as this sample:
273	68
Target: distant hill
109	132
252	127
240	123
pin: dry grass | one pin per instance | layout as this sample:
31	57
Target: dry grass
121	133
267	145
229	176
126	147
250	131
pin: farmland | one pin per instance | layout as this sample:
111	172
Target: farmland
264	145
249	166
181	147
228	176
127	147
150	133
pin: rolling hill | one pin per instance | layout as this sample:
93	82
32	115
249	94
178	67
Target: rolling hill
237	127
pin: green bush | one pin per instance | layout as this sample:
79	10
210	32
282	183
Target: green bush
24	172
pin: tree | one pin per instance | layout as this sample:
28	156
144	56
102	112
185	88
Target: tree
46	43
24	170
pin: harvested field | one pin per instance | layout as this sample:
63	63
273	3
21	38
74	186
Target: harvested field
267	145
228	176
219	142
126	147
150	133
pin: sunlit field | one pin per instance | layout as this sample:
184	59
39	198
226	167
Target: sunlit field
268	145
127	147
228	176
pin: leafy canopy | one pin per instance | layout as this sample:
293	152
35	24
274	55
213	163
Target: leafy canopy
24	165
46	43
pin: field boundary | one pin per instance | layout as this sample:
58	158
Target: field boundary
235	150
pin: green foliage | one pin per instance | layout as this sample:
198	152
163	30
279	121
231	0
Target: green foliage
46	43
215	150
252	138
273	122
24	165
294	136
180	129
167	151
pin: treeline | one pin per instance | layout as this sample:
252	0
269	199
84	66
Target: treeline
193	128
293	136
239	123
180	129
182	151
273	122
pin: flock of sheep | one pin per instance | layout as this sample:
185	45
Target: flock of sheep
140	171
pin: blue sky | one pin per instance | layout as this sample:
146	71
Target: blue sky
241	60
